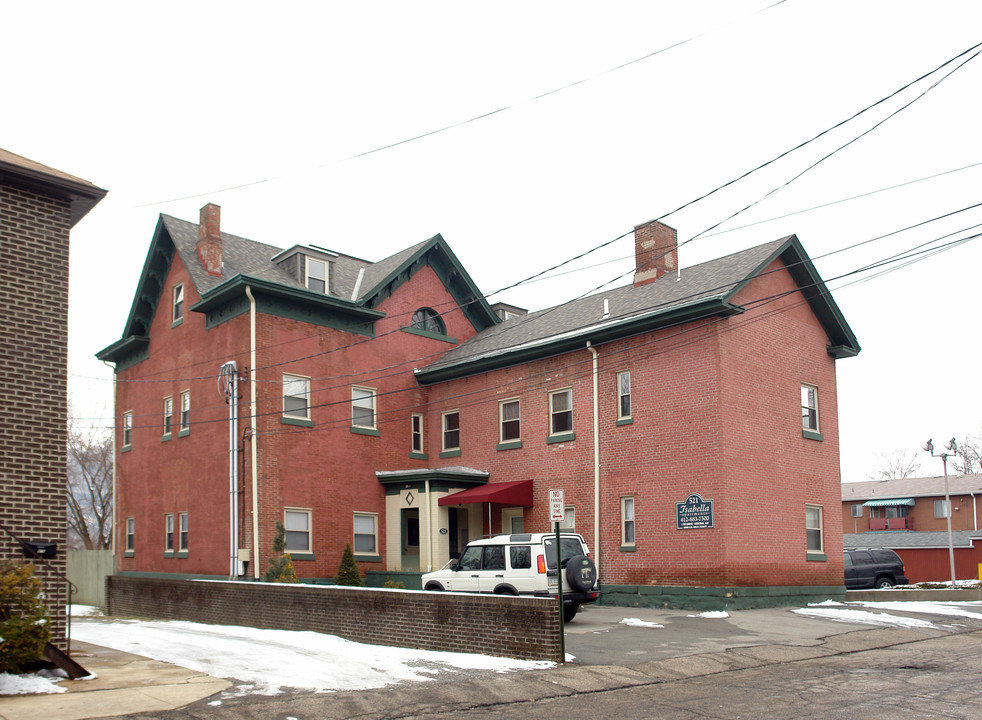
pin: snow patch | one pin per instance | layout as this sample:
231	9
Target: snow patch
638	622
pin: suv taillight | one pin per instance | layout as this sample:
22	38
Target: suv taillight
540	564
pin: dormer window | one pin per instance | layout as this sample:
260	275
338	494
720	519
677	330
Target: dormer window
316	274
428	319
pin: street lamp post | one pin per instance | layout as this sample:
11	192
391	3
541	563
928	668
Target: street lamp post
949	449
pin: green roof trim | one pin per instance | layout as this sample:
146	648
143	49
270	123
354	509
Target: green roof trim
436	253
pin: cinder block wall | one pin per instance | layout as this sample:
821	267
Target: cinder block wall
524	628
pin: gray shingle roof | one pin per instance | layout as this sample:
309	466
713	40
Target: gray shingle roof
911	487
901	540
714	279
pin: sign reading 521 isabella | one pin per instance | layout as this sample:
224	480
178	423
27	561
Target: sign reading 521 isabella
694	513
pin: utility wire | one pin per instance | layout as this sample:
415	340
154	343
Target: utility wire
482	116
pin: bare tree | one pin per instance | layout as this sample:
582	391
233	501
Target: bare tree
90	486
968	456
897	465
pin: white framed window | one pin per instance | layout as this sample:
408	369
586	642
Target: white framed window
185	419
942	509
297	524
127	428
168	414
451	430
809	407
623	395
510	420
365	526
130	534
627	521
178	305
416	433
182	538
857	510
296	396
169	532
363	407
316	274
561	411
813	528
569	519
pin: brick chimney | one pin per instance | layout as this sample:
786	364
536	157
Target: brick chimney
655	252
209	247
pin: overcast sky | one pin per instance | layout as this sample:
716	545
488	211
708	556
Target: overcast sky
168	106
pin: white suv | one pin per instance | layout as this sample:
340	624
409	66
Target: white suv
522	564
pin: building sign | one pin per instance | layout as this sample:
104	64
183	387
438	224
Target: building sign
694	513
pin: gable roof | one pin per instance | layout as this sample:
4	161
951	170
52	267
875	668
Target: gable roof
249	263
81	194
705	289
910	488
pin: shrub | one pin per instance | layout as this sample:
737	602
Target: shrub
280	567
394	584
348	570
24	626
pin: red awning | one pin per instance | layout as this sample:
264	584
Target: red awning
515	492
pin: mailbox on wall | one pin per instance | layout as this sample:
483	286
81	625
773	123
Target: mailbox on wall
40	549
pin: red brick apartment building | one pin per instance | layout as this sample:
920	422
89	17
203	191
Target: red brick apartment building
387	406
38	208
909	516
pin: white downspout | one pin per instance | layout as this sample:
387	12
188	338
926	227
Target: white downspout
975	514
429	529
253	412
596	453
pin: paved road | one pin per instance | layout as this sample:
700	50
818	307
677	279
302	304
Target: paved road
755	664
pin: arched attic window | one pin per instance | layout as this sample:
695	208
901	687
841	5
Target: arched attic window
428	319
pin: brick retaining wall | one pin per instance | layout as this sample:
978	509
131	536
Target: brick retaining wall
525	628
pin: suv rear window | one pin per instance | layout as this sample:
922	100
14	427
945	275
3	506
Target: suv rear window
886	556
568	547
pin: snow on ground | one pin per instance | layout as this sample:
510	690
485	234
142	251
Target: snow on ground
30	684
638	622
863	617
267	662
712	614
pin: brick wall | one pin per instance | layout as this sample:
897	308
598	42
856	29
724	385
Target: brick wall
33	375
525	628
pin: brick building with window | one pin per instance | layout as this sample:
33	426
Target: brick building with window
910	516
387	406
38	208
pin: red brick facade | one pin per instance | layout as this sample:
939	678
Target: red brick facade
715	405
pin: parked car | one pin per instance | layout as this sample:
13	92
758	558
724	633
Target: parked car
873	568
523	564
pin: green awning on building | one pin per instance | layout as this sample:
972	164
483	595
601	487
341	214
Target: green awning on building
889	503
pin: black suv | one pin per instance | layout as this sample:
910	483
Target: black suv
873	568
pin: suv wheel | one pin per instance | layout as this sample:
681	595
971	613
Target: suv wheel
883	582
569	612
581	573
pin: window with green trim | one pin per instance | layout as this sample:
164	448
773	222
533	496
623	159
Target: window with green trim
169	532
365	533
428	319
627	521
296	396
561	412
185	410
127	428
297	524
623	395
509	413
363	407
130	534
178	306
451	430
182	532
168	414
809	408
813	528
